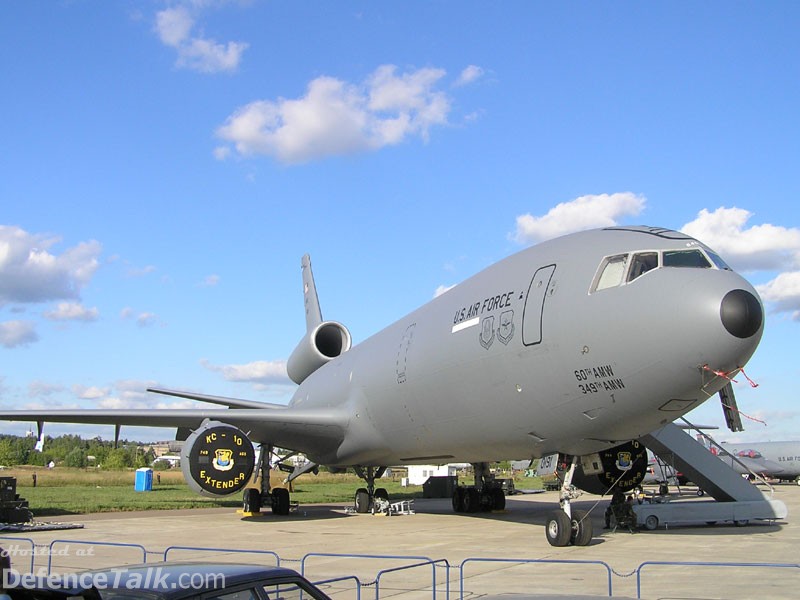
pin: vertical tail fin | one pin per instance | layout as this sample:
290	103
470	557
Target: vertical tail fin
313	312
323	341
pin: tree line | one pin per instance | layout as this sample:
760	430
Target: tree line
73	451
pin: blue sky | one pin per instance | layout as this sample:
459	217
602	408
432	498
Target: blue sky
166	164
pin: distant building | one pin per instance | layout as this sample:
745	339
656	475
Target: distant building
172	459
418	474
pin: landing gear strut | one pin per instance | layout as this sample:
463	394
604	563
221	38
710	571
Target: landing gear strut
566	525
369	498
485	496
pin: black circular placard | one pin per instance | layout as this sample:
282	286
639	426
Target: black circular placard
217	459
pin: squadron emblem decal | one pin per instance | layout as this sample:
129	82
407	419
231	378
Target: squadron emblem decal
624	461
505	330
487	332
223	459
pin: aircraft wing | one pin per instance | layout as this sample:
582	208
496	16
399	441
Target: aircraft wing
310	431
223	400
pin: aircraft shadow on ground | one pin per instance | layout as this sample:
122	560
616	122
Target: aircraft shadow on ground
312	512
528	513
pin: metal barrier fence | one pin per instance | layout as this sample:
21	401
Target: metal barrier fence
422	561
14	550
432	563
52	553
654	563
413	562
222	551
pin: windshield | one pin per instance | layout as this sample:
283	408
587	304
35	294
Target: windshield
621	269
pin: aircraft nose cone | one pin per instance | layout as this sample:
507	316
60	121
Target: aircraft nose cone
741	313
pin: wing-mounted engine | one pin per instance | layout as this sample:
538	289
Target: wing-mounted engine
621	468
217	459
321	344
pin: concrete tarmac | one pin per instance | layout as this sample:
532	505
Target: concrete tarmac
435	532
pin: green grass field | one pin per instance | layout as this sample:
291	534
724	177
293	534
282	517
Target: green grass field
63	491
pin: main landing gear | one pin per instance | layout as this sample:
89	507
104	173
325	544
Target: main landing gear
485	496
277	498
566	525
369	498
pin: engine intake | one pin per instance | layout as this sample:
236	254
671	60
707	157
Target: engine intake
217	459
320	345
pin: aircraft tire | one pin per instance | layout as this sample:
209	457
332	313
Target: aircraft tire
458	500
251	502
280	501
558	528
382	494
362	501
582	528
498	499
471	500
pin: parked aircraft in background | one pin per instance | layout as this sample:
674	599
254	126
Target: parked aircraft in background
579	345
778	460
658	472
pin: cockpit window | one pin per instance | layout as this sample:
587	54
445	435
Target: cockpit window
642	263
621	269
686	258
612	272
717	260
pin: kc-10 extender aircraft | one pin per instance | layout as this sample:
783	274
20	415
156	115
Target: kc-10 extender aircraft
579	345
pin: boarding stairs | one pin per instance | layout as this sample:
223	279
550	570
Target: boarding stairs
735	498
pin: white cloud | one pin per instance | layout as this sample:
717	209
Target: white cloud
262	371
585	212
336	118
124	394
146	319
784	293
210	281
174	27
222	152
72	311
89	393
38	389
207	56
469	75
140	271
30	273
17	333
143	319
765	247
759	247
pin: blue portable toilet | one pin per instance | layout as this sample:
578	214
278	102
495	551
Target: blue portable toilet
144	480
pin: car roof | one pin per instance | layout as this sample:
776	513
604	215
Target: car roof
169	580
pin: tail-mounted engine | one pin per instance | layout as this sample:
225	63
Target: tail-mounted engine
217	459
321	344
622	468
